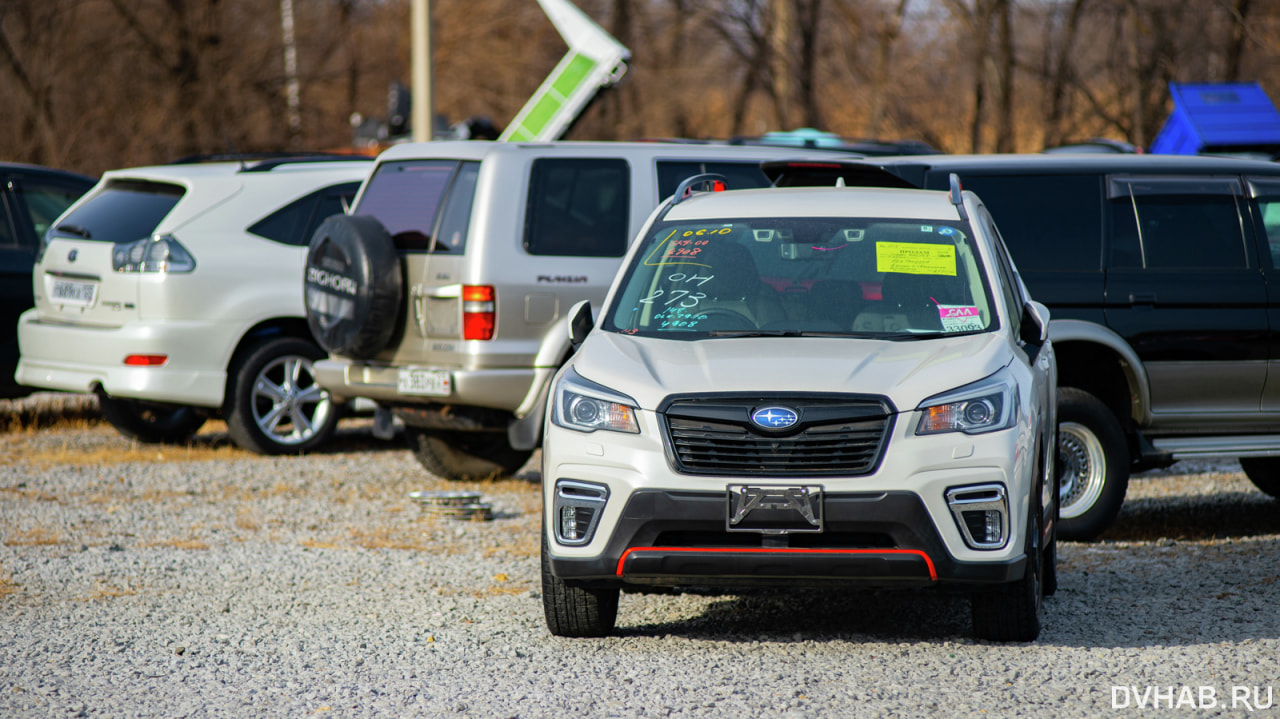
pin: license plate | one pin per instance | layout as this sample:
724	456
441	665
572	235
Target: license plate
71	292
433	382
774	509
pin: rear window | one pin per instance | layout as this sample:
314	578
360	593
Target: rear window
407	197
124	211
737	175
578	207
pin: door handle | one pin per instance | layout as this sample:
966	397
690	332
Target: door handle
1142	298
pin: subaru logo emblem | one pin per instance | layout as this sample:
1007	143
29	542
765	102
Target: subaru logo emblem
774	417
71	256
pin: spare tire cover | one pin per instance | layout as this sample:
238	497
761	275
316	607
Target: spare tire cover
352	286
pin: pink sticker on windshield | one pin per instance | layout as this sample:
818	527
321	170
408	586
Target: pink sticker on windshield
960	318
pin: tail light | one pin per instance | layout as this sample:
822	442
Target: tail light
479	312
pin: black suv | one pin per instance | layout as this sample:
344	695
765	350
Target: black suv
1162	274
30	198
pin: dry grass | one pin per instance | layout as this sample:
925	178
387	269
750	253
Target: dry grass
102	590
30	415
188	543
7	585
38	537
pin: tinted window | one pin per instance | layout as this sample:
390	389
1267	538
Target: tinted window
42	201
578	207
294	223
7	238
1049	223
124	211
1176	224
456	218
1267	192
405	197
737	175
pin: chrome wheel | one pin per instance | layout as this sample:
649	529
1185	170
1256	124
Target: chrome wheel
288	406
1083	469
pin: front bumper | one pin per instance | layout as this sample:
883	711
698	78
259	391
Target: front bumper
73	358
678	538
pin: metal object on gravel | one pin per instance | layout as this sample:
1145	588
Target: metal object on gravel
454	505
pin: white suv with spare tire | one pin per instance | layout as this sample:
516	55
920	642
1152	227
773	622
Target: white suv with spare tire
172	293
443	294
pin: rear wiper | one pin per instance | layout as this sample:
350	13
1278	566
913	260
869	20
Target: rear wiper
76	230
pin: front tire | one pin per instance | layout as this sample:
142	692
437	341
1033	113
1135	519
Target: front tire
1264	472
465	456
274	405
1014	612
1094	462
151	422
576	611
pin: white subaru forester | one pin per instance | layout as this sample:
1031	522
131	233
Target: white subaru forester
798	387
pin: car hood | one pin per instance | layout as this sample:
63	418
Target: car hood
907	372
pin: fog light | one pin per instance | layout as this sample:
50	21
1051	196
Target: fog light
982	514
577	510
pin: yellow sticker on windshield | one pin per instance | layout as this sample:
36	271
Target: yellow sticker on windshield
916	258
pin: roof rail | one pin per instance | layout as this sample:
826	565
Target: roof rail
685	190
956	194
265	161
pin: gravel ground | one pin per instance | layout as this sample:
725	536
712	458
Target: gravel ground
144	581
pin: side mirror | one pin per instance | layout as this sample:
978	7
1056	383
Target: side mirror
1035	323
580	323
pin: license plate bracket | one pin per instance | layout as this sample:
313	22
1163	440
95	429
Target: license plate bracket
73	292
774	509
425	382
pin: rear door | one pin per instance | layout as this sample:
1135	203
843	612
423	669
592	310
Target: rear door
1265	192
76	280
1185	289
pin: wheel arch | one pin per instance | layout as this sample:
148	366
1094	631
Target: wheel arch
269	328
1099	361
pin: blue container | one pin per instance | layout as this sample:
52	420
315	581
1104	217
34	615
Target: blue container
1220	118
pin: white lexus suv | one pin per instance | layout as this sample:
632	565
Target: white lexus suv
809	386
172	292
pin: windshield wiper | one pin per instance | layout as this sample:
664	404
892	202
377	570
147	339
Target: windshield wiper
755	333
76	230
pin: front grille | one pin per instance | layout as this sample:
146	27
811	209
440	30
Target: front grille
832	437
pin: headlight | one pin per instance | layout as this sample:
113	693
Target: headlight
161	253
585	406
984	406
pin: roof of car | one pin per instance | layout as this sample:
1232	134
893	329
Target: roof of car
479	149
8	167
195	171
1071	162
816	202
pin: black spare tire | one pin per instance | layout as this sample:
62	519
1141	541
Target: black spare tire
352	286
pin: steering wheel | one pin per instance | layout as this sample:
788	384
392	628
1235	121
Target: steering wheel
736	320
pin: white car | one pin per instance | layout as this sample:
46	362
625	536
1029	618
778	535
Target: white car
172	292
811	386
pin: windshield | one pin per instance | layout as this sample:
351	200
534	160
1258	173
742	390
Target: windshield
888	278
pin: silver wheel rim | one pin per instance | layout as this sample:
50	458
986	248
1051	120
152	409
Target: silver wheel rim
288	406
1083	469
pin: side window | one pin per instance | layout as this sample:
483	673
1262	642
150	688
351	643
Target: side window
42	202
1162	223
294	223
737	175
456	218
578	207
8	239
1049	222
1266	193
1008	278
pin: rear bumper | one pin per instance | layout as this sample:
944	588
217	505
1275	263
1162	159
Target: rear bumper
497	388
81	359
670	538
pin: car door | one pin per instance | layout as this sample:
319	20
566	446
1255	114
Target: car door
1265	192
1185	289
